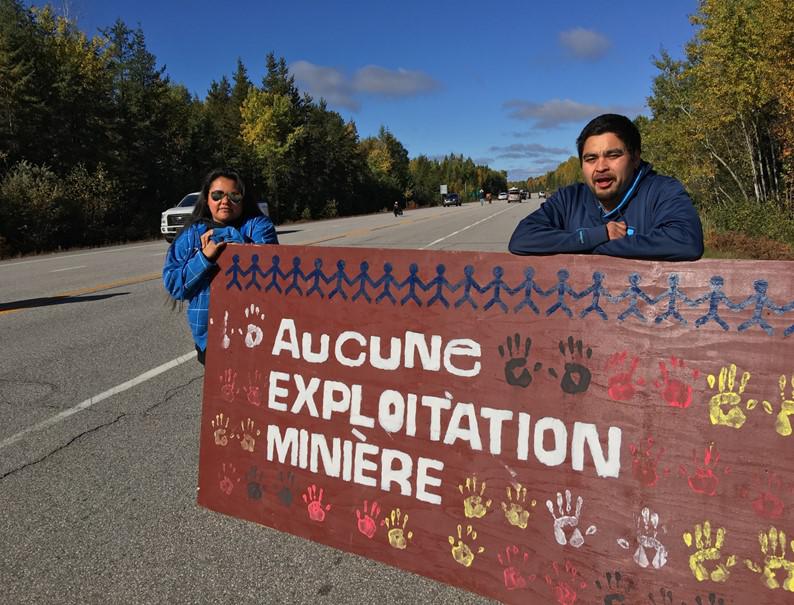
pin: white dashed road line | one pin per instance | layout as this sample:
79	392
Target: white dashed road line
441	239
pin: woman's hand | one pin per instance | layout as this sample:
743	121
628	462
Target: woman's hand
209	248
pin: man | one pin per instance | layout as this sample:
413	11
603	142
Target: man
623	208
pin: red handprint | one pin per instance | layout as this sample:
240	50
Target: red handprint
705	480
253	393
675	392
228	385
367	523
621	386
768	503
314	503
644	463
227	478
564	587
513	578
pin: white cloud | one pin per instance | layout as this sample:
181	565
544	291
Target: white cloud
527	150
341	89
325	82
556	112
584	43
392	83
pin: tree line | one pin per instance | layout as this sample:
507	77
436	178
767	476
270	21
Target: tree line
96	140
722	119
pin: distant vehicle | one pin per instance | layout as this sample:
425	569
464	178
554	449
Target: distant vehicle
173	219
513	195
524	194
502	195
451	199
541	194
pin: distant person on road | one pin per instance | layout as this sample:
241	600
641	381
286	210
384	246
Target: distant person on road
623	208
223	213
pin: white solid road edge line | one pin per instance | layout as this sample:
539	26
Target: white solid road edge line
441	239
97	398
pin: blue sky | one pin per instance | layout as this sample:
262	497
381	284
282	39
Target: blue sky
507	83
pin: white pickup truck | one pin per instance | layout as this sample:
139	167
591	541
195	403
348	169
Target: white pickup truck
173	219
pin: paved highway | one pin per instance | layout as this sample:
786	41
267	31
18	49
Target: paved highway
100	400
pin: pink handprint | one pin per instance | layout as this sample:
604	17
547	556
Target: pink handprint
314	503
621	386
227	478
675	392
513	578
253	392
367	523
705	480
228	385
644	462
565	585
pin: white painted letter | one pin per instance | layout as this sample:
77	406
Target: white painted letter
587	433
465	347
556	456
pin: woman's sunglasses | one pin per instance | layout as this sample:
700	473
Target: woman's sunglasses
234	196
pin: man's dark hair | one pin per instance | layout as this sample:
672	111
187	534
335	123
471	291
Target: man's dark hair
201	211
619	125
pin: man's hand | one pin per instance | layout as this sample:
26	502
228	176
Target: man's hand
212	250
616	230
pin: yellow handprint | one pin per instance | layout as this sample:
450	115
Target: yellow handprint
474	506
724	406
783	423
247	434
461	551
772	543
514	510
397	536
706	552
220	424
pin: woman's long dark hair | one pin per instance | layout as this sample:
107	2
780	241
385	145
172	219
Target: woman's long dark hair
201	211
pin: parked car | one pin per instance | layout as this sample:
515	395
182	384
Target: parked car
173	219
502	195
541	194
451	199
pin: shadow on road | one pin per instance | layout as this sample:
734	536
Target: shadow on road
47	301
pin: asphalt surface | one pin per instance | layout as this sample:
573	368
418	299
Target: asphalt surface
99	418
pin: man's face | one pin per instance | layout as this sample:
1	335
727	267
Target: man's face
607	167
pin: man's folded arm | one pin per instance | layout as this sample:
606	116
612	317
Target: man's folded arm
542	233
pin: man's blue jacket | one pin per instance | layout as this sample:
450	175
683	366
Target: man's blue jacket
187	272
662	222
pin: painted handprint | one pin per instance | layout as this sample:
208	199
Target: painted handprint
783	420
768	501
248	434
475	506
617	587
253	391
253	334
674	390
705	479
516	371
220	425
724	405
514	510
565	583
256	485
461	551
314	503
576	378
228	381
647	541
644	462
228	478
621	386
515	578
367	522
396	523
287	485
566	521
705	551
773	551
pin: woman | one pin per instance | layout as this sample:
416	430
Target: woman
223	213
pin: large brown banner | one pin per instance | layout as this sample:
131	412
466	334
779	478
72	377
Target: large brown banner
566	429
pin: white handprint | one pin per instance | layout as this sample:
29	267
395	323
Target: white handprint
647	531
254	334
565	519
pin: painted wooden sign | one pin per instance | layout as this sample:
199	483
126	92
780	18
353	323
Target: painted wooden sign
565	429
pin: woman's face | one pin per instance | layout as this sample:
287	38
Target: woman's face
229	205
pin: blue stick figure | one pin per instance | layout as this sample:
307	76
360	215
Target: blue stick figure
528	286
633	293
440	282
235	270
760	301
341	279
317	276
597	290
387	280
715	296
412	281
363	279
497	284
296	274
562	288
673	295
468	282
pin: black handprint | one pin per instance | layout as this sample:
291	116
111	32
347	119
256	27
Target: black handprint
285	493
618	589
524	379
577	377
